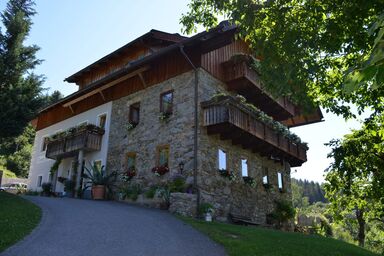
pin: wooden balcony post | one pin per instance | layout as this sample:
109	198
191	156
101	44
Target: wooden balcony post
80	159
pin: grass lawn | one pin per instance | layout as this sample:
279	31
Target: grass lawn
17	219
243	240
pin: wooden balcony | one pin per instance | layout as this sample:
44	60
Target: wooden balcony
241	78
236	122
68	146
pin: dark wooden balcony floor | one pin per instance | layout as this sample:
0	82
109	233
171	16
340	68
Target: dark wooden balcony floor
70	145
234	122
244	80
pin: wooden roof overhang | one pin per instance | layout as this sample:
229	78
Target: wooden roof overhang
98	92
146	39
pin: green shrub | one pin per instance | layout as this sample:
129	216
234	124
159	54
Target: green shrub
177	184
47	188
283	212
151	192
205	208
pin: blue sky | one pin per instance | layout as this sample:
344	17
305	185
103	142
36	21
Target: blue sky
72	34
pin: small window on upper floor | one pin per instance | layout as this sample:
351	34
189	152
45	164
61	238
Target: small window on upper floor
244	167
134	113
44	144
265	176
102	120
222	159
280	182
166	102
163	155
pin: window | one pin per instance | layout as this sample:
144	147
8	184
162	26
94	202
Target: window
265	176
163	155
39	180
222	156
102	120
244	167
134	113
280	181
44	144
131	161
166	102
98	163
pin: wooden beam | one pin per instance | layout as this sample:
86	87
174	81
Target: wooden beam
102	95
142	80
70	107
106	86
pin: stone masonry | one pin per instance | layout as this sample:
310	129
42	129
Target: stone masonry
228	197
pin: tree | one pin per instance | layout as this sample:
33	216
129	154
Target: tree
326	52
53	98
20	88
355	179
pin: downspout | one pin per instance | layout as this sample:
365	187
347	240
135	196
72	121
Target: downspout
196	117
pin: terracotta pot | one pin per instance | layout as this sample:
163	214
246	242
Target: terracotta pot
98	192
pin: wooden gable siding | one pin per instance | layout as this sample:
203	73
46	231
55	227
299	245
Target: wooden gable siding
212	60
118	62
160	70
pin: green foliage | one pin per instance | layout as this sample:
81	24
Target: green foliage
55	167
131	190
18	218
205	208
165	194
47	188
151	192
354	180
307	49
69	185
21	90
245	240
7	173
283	212
304	190
177	184
97	175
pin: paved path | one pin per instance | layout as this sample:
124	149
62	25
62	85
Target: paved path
72	227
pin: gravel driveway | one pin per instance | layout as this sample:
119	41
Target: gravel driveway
72	227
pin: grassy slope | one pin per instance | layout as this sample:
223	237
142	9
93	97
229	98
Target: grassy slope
17	219
243	240
7	173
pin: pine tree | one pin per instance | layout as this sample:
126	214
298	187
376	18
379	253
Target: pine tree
20	88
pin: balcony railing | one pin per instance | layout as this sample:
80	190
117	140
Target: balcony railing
241	78
235	121
87	139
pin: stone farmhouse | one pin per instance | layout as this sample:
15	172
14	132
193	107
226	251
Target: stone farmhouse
193	105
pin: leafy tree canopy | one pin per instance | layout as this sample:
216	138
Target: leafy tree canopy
20	88
355	180
328	52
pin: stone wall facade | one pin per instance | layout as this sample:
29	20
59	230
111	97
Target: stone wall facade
151	132
236	197
228	197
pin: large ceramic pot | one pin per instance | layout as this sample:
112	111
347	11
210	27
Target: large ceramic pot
98	192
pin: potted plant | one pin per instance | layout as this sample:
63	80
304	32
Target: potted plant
160	170
47	188
69	187
206	210
98	180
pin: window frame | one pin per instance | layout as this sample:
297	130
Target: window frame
44	144
135	106
162	103
99	119
39	181
158	149
127	156
265	175
247	166
218	159
280	181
